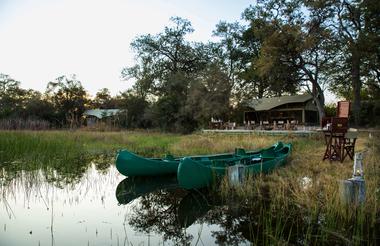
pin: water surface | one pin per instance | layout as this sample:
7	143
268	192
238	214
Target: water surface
102	207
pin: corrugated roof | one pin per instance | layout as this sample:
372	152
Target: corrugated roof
101	113
264	104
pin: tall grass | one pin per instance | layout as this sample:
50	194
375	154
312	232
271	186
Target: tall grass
18	124
301	202
69	153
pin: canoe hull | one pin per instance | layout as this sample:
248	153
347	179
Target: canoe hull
132	165
192	174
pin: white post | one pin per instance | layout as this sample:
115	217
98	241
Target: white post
353	190
236	174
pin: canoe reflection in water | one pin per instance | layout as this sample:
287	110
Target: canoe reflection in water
159	206
133	187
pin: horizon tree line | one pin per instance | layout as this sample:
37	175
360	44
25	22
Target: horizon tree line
285	47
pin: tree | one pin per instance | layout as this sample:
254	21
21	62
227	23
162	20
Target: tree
10	96
136	109
166	66
358	57
297	45
69	99
209	97
103	99
36	106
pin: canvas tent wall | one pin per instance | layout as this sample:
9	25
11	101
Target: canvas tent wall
297	107
95	115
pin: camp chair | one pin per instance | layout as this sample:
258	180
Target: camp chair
343	109
280	124
335	129
349	144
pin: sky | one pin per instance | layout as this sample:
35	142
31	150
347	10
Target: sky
41	40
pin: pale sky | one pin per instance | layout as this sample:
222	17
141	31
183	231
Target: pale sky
43	39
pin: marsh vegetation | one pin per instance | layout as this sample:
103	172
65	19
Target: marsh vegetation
72	172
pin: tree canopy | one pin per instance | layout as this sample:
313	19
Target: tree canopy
281	47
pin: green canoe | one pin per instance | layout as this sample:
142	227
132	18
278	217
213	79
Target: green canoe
130	164
192	173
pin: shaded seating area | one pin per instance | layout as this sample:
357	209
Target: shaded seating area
339	138
281	113
278	125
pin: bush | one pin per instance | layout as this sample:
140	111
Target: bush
370	113
21	124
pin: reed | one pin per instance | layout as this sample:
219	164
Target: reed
299	203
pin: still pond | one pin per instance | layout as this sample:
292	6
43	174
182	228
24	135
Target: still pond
102	207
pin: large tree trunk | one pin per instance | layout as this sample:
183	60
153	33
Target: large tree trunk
356	86
319	100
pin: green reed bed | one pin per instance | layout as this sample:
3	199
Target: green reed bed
301	203
71	152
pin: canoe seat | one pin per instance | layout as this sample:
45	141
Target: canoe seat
169	157
240	151
268	154
256	159
278	146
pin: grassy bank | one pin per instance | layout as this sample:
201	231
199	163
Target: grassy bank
302	202
299	203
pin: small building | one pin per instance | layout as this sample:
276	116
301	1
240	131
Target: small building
93	116
299	108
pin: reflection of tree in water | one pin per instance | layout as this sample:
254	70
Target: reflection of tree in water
172	212
233	225
259	222
157	212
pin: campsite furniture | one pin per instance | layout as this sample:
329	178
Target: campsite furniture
197	173
130	164
338	144
343	109
266	126
295	107
334	138
230	125
349	144
216	125
250	125
280	125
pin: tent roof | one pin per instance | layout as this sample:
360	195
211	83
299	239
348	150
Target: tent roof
101	113
264	104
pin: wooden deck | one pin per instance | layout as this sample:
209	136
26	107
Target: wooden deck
265	132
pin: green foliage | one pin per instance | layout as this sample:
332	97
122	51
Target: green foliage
171	72
20	104
209	98
356	60
136	110
330	110
286	47
103	100
11	96
69	99
370	113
